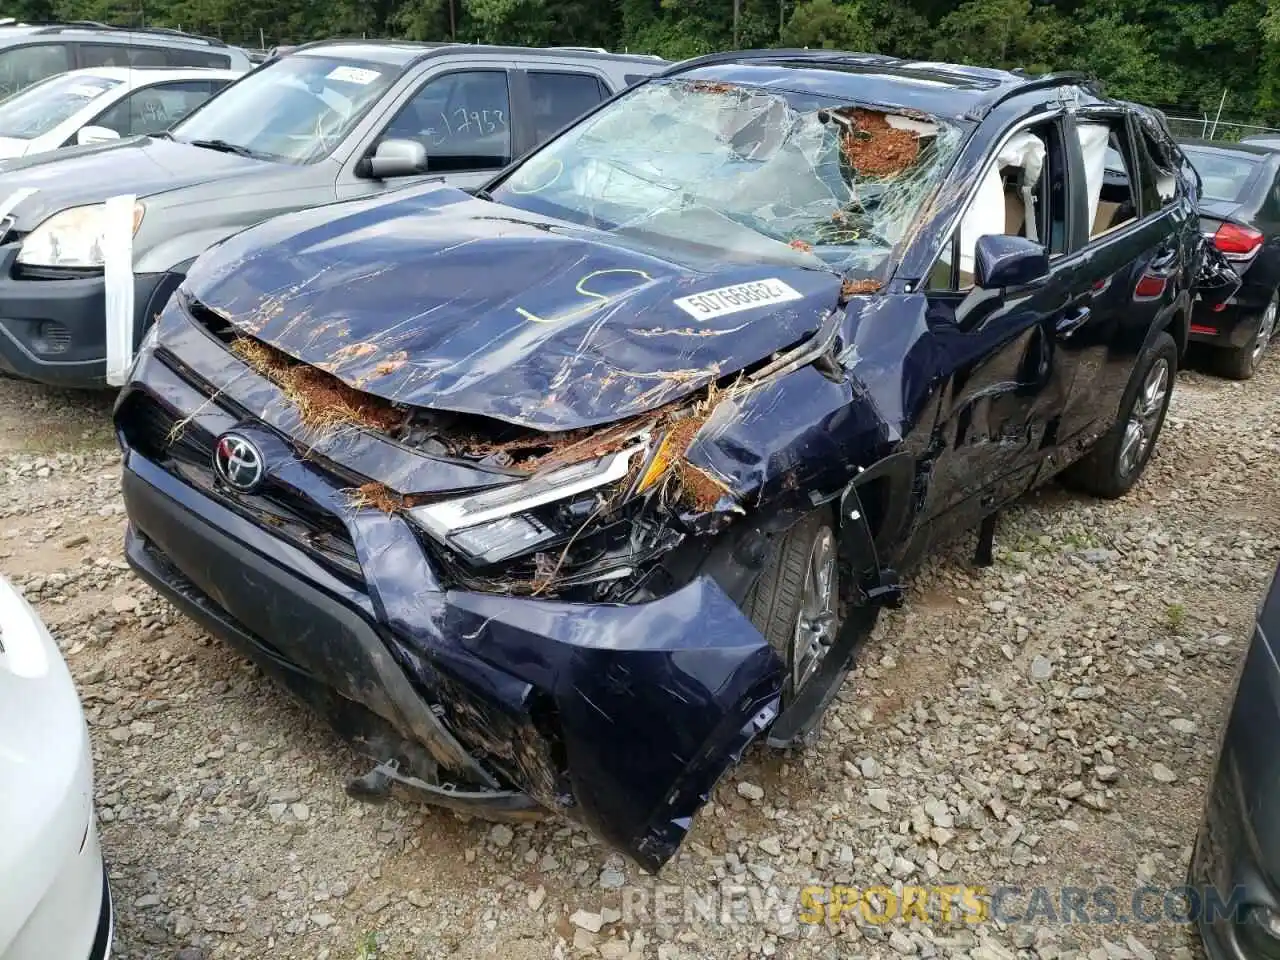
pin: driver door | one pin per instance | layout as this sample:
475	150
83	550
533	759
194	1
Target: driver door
463	119
1005	375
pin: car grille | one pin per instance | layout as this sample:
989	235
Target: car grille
185	449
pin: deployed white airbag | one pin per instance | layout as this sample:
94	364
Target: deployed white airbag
1093	139
986	215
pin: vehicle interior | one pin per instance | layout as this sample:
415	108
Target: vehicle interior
1023	193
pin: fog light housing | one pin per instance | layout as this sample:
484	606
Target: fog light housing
51	338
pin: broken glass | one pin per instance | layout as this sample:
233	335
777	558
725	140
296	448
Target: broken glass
754	174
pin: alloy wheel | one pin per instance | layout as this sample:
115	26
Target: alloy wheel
1144	417
1266	328
816	624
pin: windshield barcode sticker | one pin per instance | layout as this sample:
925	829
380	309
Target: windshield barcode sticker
740	296
357	75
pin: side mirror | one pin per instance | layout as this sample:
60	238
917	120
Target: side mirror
93	134
396	158
1005	261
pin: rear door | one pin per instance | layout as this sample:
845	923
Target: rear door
1130	238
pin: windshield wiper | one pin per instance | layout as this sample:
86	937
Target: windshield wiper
223	147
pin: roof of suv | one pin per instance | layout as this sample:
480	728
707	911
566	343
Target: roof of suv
163	35
944	89
404	52
156	74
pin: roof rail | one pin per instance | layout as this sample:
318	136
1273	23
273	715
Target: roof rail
580	49
116	28
1061	78
738	56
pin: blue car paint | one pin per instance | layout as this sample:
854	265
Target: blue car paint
679	684
435	299
685	681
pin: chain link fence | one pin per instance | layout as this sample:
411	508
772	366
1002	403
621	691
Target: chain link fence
1184	122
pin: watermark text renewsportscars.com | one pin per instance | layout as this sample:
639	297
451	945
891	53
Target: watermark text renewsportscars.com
965	904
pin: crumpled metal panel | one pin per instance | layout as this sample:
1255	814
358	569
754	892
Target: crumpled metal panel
477	309
651	702
565	303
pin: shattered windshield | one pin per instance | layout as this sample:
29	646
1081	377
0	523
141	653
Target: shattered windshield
758	173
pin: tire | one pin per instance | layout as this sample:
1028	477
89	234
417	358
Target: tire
776	600
1241	363
1111	468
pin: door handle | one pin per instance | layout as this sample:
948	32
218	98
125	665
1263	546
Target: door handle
1073	321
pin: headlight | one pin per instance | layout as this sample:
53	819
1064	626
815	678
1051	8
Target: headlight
71	238
498	524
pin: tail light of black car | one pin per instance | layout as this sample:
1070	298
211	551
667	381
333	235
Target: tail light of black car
1237	242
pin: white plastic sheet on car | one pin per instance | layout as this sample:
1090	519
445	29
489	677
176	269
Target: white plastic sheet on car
117	271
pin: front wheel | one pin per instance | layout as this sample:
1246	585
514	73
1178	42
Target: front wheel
1241	363
794	603
1117	460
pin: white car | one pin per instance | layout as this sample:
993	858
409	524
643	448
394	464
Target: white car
54	900
102	103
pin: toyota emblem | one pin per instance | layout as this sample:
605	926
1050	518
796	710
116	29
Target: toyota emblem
238	462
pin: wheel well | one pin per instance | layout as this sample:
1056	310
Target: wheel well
874	497
1180	327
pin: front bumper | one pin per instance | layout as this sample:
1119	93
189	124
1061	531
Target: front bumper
621	716
1235	866
54	330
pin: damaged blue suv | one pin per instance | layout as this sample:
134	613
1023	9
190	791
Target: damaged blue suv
556	495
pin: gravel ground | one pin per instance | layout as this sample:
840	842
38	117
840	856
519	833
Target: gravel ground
1047	721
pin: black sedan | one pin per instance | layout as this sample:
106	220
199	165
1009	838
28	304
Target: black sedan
1240	212
1235	869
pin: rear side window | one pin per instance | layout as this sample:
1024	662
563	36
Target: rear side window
1157	170
181	57
1110	180
22	66
103	55
1223	175
559	98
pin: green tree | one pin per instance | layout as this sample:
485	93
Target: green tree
823	23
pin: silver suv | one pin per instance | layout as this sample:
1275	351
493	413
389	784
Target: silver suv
33	51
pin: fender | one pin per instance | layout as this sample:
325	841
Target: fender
176	254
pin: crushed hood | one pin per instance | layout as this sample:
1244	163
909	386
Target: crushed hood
435	299
143	166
